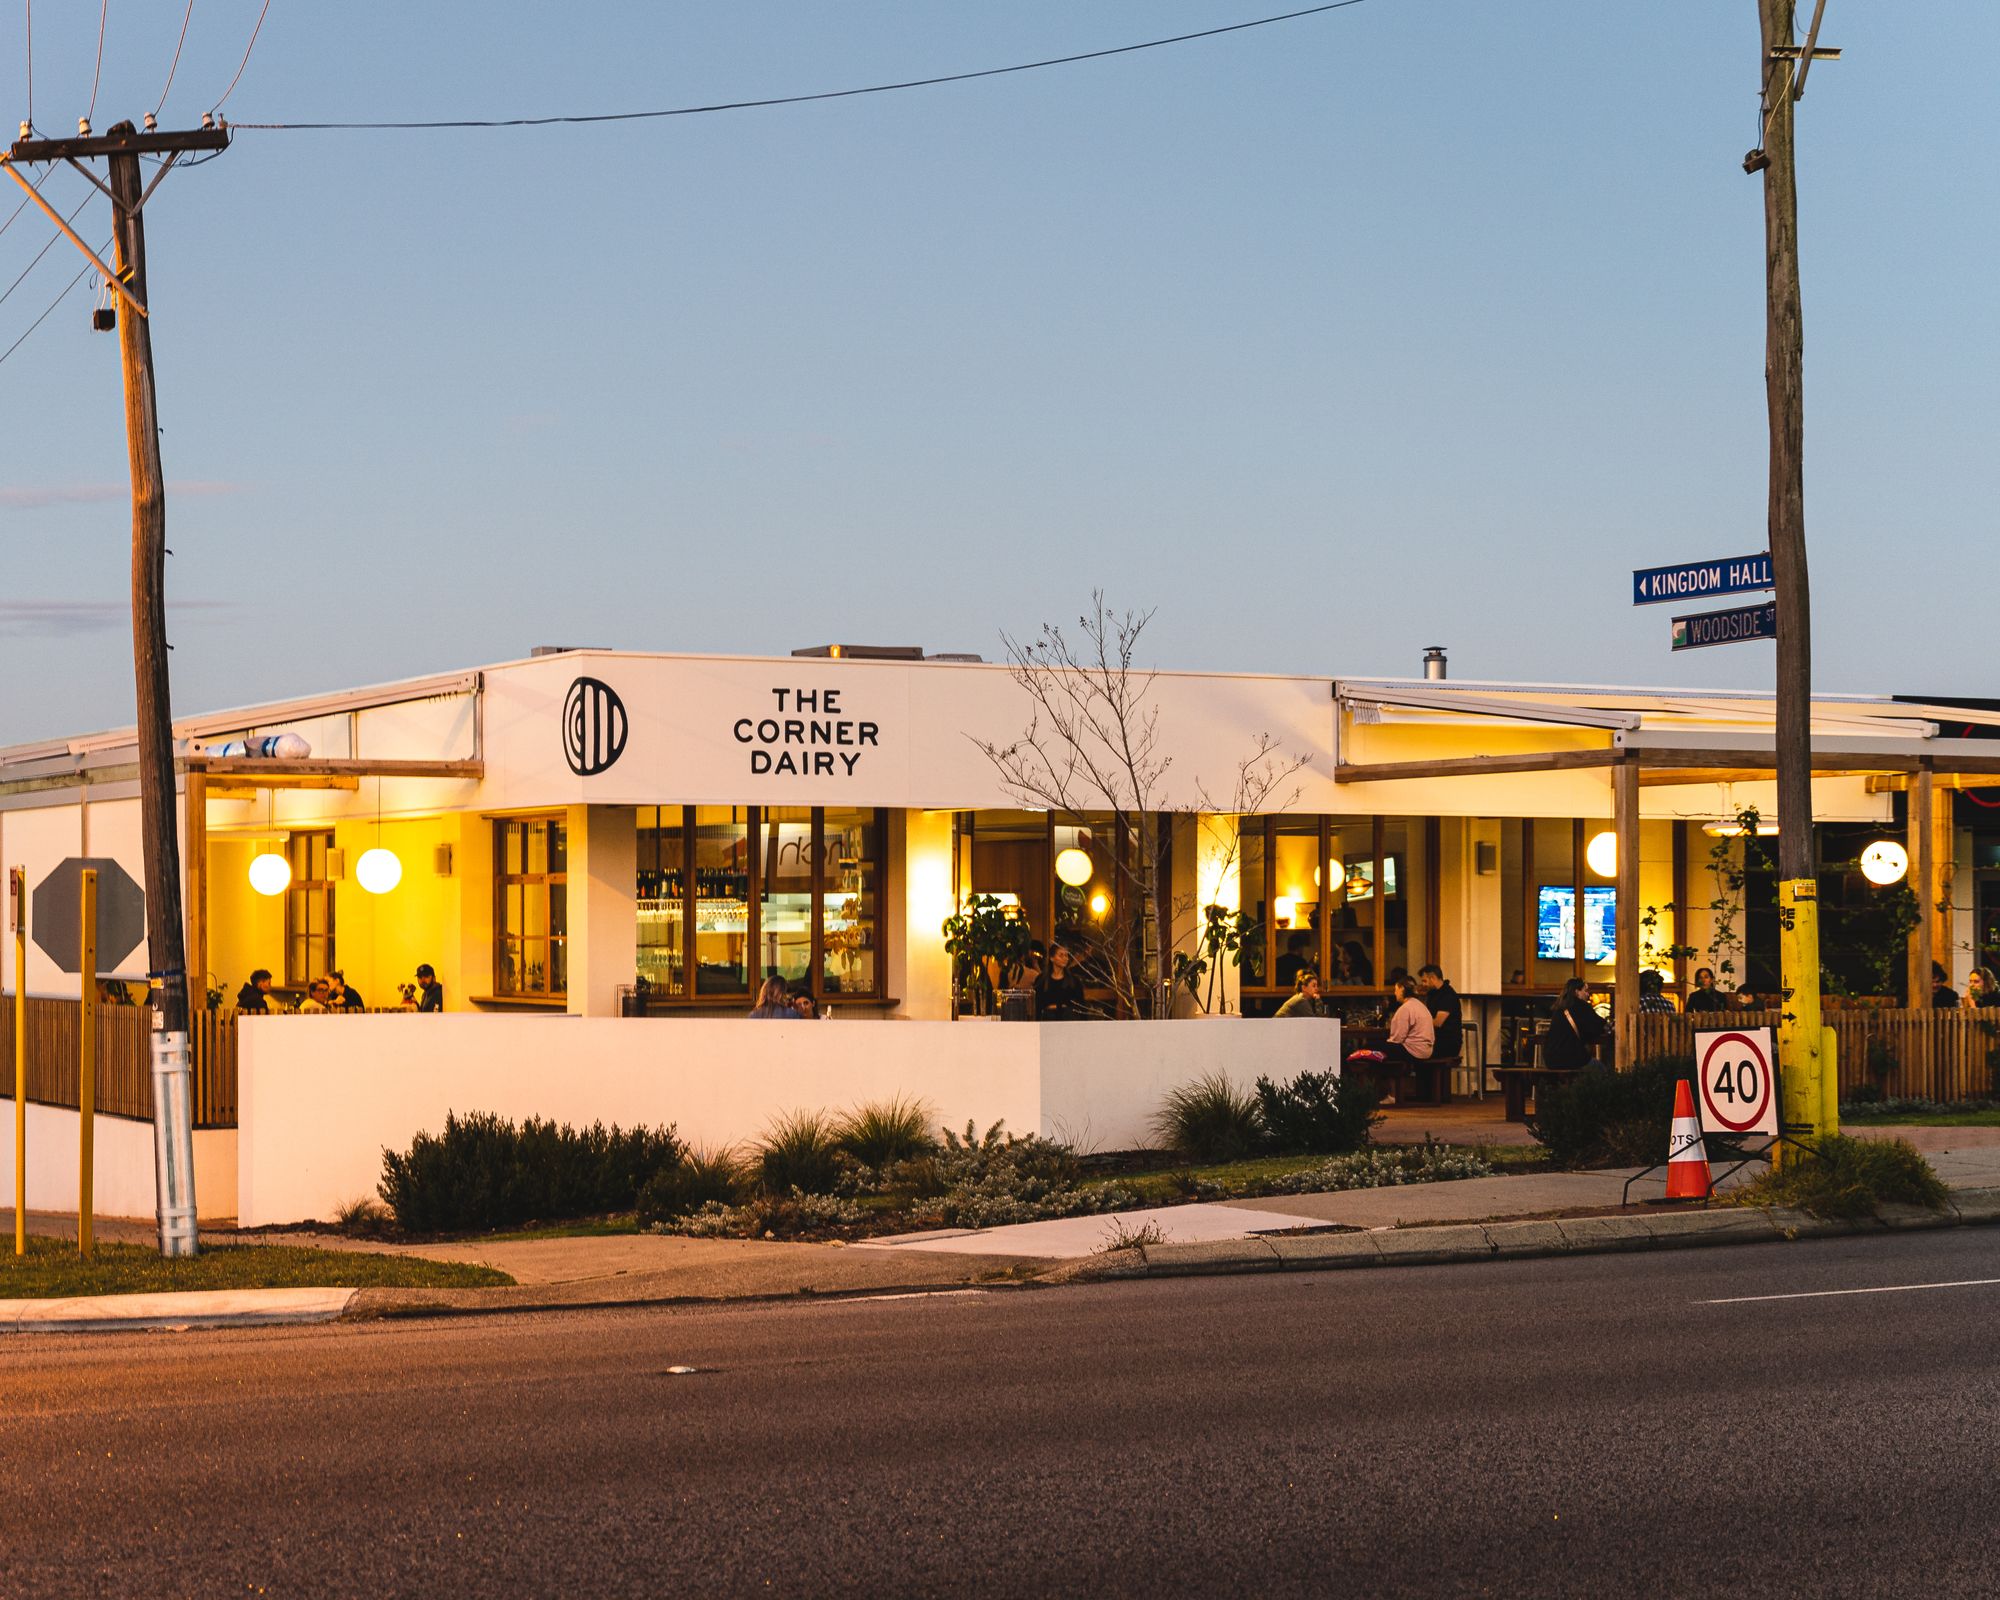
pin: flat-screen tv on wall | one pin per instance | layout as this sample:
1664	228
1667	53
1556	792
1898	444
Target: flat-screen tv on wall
1555	922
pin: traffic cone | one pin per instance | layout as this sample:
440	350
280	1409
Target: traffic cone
1687	1157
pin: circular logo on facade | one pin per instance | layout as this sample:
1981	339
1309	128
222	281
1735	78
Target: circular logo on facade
593	727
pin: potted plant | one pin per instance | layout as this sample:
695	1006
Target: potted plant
988	945
1223	934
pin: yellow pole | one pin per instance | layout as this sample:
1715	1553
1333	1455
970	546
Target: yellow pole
1829	1067
17	893
86	1083
1802	1110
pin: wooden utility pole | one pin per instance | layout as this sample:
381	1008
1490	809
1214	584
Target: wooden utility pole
122	146
1781	65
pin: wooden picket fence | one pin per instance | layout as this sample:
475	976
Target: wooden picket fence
124	1059
1926	1053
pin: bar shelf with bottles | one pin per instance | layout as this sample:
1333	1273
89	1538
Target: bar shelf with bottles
721	906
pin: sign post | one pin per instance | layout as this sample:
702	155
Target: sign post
86	1082
17	901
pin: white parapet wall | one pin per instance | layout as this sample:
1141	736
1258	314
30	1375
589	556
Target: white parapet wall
320	1098
122	1164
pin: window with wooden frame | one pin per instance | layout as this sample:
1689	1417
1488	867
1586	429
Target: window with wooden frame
731	895
308	908
531	907
1350	898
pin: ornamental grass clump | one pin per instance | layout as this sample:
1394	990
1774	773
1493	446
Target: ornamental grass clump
1847	1178
886	1132
798	1152
1210	1120
702	1177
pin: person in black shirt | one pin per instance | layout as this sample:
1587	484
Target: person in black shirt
1942	993
1059	990
1574	1028
1447	1012
253	996
343	997
1706	996
432	996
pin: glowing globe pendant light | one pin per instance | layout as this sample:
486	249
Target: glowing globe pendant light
270	873
1602	854
1073	866
1884	862
378	871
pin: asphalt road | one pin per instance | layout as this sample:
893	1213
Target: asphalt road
1583	1427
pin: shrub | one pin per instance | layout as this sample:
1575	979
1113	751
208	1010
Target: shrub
1605	1116
1210	1120
1381	1168
1317	1113
889	1131
699	1178
798	1152
765	1216
1846	1177
485	1172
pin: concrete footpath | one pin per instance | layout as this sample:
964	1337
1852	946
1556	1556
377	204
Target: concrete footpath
1475	1219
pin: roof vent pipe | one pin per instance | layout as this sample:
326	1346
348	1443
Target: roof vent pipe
1434	662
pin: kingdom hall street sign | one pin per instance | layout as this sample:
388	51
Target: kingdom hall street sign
1697	580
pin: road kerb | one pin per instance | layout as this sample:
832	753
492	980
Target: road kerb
133	1313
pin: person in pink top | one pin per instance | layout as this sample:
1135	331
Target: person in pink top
1412	1035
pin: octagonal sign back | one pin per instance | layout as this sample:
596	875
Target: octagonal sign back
57	914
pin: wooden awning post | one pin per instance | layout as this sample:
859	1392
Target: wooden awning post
1625	819
1922	803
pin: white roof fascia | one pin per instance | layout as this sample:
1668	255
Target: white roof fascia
1834	744
1485	706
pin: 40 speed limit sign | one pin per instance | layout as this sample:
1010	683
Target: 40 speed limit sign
1739	1087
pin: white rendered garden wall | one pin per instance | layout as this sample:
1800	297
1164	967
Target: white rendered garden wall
321	1097
122	1164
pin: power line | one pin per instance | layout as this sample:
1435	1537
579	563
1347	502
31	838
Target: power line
23	206
45	249
31	62
789	99
103	12
59	299
252	45
186	17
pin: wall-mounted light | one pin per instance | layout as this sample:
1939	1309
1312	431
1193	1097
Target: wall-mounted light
1099	903
1884	862
1074	867
270	873
1601	854
1736	830
1286	908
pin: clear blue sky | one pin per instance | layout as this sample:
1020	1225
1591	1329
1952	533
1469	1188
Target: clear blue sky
1420	322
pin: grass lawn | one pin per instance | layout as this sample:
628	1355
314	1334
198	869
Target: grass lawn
52	1269
582	1228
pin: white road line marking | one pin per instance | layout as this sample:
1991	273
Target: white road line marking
915	1294
1822	1294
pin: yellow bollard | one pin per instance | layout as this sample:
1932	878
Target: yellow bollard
17	894
86	1083
1829	1078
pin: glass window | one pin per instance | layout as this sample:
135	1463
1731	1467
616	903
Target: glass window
1295	898
308	909
1399	922
785	905
851	909
531	919
1254	900
1350	913
662	896
722	900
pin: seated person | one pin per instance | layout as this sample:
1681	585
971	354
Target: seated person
1059	990
1297	957
431	995
1412	1034
256	994
1942	993
316	995
1446	1009
340	997
1652	992
1355	969
1706	996
1305	1000
1574	1028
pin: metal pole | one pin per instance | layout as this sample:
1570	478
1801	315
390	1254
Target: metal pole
17	887
86	1082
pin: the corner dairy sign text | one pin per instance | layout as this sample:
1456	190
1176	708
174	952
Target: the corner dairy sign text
806	734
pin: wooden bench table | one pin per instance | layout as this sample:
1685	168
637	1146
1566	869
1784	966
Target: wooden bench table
1517	1083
